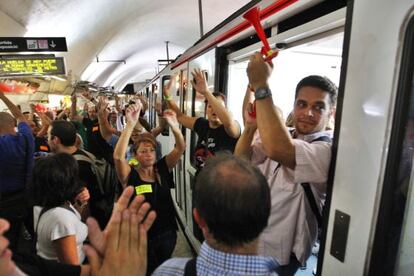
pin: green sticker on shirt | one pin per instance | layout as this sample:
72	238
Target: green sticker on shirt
143	189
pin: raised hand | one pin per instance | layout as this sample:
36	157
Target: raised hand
132	113
199	82
171	118
258	71
7	266
103	107
170	86
122	247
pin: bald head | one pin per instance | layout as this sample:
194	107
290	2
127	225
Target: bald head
233	198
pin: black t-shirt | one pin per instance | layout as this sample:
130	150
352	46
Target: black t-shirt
159	196
41	146
88	179
96	144
210	141
34	265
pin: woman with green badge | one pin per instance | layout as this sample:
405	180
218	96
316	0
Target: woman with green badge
153	179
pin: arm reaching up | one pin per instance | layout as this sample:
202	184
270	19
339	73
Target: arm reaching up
200	85
172	158
121	164
15	111
182	118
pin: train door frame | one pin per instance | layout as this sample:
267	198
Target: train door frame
327	24
370	104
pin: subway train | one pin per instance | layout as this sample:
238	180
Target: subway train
366	47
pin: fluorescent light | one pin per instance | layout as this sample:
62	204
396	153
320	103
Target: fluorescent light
58	78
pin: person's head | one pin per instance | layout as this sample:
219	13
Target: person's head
210	112
145	149
55	180
32	124
7	123
232	201
27	115
315	101
92	114
61	134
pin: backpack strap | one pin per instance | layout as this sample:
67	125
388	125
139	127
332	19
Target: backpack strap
308	191
86	156
312	202
191	267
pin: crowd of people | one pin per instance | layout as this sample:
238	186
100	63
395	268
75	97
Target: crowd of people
257	200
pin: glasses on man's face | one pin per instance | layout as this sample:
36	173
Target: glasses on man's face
145	151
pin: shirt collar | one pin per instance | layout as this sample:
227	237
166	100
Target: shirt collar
243	264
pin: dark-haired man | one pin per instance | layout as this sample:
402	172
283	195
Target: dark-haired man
295	163
219	132
62	139
16	164
231	223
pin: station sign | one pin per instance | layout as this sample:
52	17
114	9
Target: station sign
31	65
33	44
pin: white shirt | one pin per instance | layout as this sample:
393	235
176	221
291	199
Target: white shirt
55	224
292	226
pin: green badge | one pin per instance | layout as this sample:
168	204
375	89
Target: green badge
143	189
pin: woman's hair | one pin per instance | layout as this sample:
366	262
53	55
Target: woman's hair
55	180
145	138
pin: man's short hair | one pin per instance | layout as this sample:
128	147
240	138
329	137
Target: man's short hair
233	198
218	95
66	132
322	83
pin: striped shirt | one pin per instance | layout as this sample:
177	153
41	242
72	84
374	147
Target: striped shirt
213	262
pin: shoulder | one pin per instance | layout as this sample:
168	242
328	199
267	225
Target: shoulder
24	129
200	124
175	266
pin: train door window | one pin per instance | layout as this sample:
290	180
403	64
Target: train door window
165	82
183	106
183	91
318	57
393	250
152	104
199	110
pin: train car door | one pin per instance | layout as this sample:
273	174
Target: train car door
317	52
370	222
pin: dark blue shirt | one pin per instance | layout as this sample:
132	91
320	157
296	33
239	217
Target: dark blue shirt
16	159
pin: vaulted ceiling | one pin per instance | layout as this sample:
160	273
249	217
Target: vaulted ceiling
133	31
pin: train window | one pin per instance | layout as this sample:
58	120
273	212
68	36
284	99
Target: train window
199	110
393	250
165	82
318	57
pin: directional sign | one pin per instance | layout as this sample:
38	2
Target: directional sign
33	44
31	65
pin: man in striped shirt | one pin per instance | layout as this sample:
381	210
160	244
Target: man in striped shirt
232	206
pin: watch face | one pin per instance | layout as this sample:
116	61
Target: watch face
262	93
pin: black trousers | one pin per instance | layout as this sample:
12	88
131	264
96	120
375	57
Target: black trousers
160	249
289	269
13	209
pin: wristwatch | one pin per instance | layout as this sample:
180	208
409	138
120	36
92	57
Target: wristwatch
262	92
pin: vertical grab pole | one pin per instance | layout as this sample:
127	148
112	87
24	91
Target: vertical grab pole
200	16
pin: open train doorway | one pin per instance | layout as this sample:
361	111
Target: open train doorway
320	55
